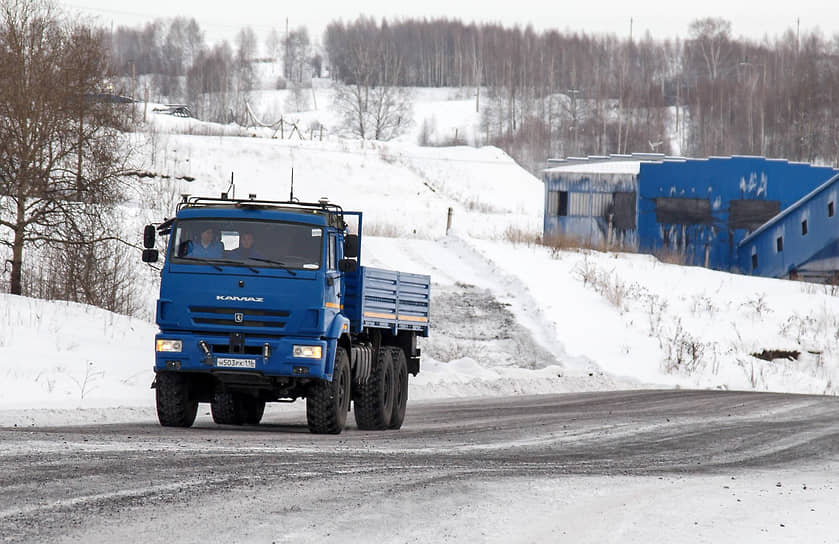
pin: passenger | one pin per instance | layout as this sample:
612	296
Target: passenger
208	246
246	249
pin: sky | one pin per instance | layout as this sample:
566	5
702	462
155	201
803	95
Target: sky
222	20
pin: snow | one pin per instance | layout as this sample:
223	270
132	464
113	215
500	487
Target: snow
599	167
666	325
584	320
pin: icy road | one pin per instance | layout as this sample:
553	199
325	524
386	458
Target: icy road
638	466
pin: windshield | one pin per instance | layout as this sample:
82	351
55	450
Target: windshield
264	244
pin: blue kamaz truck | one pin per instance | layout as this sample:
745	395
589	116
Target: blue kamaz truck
265	301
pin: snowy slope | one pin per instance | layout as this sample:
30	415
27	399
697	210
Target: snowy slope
508	318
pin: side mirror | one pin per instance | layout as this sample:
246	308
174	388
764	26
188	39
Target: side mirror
150	255
148	236
351	246
347	265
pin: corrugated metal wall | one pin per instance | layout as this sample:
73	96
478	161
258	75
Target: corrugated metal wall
594	202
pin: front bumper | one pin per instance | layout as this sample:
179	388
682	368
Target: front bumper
213	353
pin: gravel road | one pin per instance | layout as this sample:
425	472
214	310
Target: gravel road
480	459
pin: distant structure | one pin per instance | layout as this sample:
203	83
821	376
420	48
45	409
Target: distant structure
753	215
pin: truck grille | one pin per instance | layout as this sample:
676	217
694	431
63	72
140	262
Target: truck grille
226	317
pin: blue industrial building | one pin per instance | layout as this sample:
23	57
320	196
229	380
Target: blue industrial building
701	208
801	242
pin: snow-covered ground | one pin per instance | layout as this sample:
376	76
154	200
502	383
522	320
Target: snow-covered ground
539	319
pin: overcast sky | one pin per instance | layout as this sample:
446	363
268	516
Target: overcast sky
749	18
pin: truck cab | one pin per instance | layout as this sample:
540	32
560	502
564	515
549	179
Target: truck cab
265	301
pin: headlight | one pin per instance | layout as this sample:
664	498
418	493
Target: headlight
307	352
169	345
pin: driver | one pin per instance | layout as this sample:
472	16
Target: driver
208	246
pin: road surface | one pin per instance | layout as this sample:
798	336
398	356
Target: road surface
587	466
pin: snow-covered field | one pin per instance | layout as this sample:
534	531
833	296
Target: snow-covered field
539	319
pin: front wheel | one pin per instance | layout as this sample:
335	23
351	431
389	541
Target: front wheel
228	408
327	403
174	406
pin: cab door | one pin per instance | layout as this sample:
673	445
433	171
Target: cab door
333	278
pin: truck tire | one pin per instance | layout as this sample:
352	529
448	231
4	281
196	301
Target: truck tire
327	403
400	388
254	408
174	407
374	401
228	408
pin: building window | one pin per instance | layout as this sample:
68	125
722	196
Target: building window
779	243
830	209
754	261
563	203
804	228
750	214
683	211
557	203
624	210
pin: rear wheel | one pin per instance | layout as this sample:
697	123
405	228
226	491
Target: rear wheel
374	401
400	389
327	403
228	408
174	407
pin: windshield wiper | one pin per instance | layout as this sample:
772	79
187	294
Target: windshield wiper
278	263
205	261
214	263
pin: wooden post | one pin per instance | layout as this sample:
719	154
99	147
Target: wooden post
449	221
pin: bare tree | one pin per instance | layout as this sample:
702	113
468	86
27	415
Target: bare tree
210	83
273	44
245	80
372	103
61	149
297	55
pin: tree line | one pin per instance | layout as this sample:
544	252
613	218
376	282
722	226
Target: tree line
558	93
541	94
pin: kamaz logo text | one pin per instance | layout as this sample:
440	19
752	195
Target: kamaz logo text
239	299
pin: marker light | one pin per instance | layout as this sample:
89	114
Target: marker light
307	352
169	345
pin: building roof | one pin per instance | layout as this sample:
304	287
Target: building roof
607	164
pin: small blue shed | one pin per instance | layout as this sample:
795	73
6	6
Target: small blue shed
700	208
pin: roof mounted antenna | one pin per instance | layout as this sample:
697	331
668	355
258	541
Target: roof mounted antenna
231	190
291	193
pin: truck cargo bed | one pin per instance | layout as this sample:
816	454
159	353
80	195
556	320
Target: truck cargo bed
387	299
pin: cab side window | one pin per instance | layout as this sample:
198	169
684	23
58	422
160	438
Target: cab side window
331	258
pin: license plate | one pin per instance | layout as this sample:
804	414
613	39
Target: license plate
230	362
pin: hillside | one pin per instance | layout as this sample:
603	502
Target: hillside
508	317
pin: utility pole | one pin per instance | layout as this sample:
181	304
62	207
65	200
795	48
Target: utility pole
797	35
